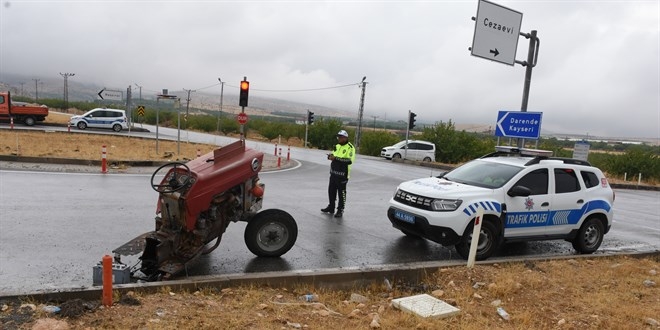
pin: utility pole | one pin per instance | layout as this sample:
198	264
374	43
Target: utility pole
36	90
66	88
140	88
358	132
129	106
185	118
222	90
375	121
22	84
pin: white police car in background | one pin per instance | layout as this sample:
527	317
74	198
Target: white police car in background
101	118
525	195
417	150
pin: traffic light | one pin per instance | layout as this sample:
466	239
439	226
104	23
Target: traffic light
411	121
243	96
310	117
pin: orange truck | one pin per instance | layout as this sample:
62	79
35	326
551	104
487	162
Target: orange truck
21	112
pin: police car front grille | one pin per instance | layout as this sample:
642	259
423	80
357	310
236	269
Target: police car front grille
413	200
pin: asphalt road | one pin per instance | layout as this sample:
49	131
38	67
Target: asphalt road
54	227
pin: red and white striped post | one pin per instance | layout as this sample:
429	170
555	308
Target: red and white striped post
199	153
68	127
275	150
279	159
104	165
11	122
288	153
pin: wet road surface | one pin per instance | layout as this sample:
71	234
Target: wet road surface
54	227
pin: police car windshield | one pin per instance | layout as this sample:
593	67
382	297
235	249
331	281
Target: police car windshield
483	174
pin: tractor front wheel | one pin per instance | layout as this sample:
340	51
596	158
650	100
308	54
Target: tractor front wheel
271	233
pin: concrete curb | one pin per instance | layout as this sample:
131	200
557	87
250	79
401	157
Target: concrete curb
334	278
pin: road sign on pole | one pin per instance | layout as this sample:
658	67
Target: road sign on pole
242	118
517	124
106	94
496	32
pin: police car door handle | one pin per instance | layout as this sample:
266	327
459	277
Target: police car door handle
545	204
580	201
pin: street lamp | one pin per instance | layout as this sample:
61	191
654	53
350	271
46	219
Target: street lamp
222	89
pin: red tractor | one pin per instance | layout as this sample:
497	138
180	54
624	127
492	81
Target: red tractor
197	201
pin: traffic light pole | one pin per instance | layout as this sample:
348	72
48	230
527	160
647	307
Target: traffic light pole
243	96
405	150
306	128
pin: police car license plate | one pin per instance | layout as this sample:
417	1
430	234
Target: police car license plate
403	216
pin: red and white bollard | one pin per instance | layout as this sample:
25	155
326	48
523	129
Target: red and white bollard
279	159
288	153
104	165
275	150
199	153
68	127
11	122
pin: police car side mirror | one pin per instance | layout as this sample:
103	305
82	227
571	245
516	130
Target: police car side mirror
519	191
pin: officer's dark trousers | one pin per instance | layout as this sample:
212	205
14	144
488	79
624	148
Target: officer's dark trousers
337	188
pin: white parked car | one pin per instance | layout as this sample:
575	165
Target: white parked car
417	150
114	119
525	195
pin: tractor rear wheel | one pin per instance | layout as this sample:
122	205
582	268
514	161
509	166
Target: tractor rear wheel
271	233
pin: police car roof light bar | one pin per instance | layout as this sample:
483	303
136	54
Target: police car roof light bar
514	151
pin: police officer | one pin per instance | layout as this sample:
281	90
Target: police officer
340	168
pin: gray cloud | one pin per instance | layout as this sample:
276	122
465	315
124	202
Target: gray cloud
598	69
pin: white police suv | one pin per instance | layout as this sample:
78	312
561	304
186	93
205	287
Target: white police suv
525	195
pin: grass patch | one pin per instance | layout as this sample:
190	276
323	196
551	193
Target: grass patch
598	293
89	146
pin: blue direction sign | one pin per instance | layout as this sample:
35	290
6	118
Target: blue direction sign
518	124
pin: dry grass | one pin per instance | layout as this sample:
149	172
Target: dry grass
89	146
600	293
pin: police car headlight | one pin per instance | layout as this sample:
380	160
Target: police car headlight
446	204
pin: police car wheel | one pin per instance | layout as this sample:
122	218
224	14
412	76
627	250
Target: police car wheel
82	125
487	245
116	128
589	237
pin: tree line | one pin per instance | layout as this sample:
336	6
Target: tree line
452	146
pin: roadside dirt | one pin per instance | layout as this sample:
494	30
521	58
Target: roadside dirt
583	293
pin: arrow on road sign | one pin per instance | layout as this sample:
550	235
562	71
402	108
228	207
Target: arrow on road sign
495	52
100	93
518	124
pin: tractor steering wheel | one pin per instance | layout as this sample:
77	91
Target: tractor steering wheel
175	181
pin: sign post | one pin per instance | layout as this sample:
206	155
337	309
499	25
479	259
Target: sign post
242	118
516	124
496	33
106	94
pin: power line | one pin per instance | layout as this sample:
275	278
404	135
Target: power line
303	90
285	90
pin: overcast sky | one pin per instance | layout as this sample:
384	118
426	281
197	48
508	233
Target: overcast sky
598	69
